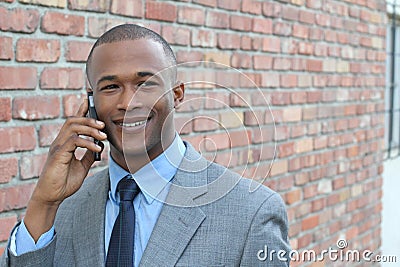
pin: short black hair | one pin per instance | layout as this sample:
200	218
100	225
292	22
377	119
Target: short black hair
127	32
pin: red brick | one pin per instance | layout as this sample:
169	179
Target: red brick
36	107
282	29
127	8
15	197
258	98
310	222
314	4
254	117
300	31
93	5
19	20
239	99
227	79
5	109
38	50
211	3
64	24
17	139
298	131
203	38
229	4
6	52
261	135
176	35
7	224
71	104
184	56
306	48
77	51
97	26
280	98
246	43
228	41
47	133
270	80
256	43
216	19
285	149
9	169
272	9
316	34
290	13
288	80
241	60
252	6
282	64
218	141
216	100
32	165
205	123
51	3
251	80
240	23
262	62
271	44
17	78
190	15
161	11
262	25
306	16
293	196
240	138
184	125
62	78
314	65
298	97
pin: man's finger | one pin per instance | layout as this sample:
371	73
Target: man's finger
83	109
88	159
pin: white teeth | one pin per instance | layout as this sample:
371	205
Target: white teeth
133	124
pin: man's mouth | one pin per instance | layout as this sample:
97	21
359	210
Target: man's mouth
134	124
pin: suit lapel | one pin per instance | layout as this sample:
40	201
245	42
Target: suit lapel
88	228
180	216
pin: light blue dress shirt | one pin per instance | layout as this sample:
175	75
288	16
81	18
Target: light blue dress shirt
153	181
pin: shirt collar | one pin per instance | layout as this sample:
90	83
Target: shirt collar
155	175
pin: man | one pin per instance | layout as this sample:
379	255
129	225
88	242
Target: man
186	211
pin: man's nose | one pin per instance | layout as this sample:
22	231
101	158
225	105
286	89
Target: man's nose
129	99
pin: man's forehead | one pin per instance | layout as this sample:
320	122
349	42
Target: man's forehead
144	50
141	45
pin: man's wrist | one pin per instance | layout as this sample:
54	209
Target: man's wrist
39	217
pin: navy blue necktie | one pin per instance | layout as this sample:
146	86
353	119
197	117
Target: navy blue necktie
120	249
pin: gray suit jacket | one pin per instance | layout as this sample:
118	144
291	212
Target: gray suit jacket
210	219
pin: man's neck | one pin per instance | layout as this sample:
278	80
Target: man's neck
133	162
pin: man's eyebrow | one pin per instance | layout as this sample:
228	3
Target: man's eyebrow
145	73
106	78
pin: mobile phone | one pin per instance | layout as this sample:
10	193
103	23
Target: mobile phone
93	114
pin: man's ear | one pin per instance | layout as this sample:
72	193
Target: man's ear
179	93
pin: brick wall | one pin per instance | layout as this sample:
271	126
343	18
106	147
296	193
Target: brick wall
319	63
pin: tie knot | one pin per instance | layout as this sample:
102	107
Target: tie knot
127	189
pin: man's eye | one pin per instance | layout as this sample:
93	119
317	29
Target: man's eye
147	83
109	87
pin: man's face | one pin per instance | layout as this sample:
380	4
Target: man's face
134	108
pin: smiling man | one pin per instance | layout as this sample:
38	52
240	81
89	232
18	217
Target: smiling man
159	203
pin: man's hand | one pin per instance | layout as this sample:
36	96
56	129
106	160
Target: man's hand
63	174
